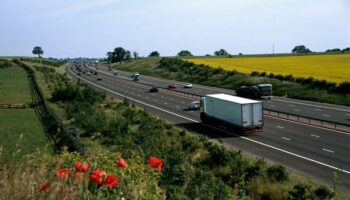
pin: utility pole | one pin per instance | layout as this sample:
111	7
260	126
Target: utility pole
273	48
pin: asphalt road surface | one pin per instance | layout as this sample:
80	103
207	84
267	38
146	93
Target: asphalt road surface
328	112
312	151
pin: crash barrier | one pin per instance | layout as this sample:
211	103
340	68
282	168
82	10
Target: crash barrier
308	120
65	136
279	114
15	106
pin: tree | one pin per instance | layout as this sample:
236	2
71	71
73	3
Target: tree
38	51
136	55
184	53
301	49
118	55
154	54
221	52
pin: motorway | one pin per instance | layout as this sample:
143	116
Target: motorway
328	112
312	151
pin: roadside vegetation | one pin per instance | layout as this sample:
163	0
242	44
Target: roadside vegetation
132	154
177	69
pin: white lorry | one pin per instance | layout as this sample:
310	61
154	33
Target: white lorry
243	113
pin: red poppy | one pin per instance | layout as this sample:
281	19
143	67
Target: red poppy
79	176
44	186
63	173
122	163
155	163
97	176
111	181
81	167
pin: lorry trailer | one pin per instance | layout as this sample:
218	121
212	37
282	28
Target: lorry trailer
242	113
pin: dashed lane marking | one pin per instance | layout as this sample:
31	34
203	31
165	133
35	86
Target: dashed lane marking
285	138
313	135
330	151
244	138
279	126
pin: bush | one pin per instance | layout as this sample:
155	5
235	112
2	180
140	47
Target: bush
277	173
324	193
300	192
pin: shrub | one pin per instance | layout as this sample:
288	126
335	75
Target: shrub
277	173
324	193
300	192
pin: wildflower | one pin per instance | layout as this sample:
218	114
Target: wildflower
81	167
97	176
122	163
155	163
44	186
63	173
79	176
111	181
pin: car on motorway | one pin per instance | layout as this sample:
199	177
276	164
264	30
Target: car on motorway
172	86
79	74
115	72
135	74
188	85
88	73
195	105
99	79
95	73
154	89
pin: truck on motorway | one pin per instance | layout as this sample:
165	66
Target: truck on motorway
241	113
260	91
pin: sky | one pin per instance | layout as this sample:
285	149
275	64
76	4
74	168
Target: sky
91	28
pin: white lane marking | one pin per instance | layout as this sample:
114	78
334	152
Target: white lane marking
295	122
326	115
285	138
296	110
330	151
165	103
245	138
279	126
306	104
291	105
316	109
313	135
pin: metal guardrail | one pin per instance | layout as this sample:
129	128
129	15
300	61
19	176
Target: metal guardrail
279	114
16	106
308	120
49	117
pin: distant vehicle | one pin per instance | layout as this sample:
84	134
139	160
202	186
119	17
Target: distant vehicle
99	79
261	91
88	73
95	73
79	74
245	114
135	74
154	89
115	72
84	72
188	85
172	86
109	68
195	105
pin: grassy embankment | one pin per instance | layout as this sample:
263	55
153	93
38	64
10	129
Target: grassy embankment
172	68
193	166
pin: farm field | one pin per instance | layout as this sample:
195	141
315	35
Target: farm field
332	68
14	86
20	129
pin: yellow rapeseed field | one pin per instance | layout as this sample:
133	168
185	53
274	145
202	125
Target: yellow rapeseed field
333	68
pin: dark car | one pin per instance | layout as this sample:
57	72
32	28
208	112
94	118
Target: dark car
99	79
154	89
79	74
95	73
172	86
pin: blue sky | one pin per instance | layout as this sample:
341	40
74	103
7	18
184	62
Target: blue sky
90	28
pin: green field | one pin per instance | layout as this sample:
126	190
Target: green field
20	131
14	86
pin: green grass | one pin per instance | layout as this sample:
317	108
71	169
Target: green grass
14	86
21	133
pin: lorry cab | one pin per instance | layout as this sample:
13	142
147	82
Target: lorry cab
265	91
